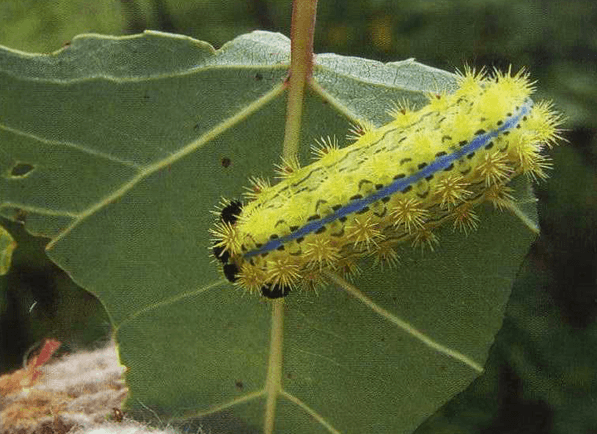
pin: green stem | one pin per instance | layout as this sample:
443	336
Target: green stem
273	384
301	68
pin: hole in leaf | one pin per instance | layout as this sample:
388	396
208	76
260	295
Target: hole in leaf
21	169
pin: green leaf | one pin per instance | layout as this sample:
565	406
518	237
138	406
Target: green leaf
126	139
7	246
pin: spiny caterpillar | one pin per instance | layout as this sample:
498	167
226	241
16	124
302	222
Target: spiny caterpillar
395	183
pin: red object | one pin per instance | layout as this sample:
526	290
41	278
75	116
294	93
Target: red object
49	348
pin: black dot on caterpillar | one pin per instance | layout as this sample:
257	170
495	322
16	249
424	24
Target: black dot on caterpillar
275	291
228	215
230	271
226	162
222	255
230	212
394	184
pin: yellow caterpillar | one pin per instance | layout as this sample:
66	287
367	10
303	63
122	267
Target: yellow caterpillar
395	183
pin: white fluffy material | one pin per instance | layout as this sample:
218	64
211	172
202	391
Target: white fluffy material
94	379
85	372
88	386
122	428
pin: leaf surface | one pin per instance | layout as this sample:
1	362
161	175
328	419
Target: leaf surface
7	246
132	141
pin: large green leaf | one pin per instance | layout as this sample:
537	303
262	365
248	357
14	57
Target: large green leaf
125	139
7	246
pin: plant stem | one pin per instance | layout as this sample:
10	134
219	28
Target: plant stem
273	385
301	68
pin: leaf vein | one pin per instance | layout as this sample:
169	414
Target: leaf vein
408	328
165	162
69	145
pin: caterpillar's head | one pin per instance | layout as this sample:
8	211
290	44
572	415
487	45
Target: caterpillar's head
229	215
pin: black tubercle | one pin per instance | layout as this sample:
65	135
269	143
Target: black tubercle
231	272
221	254
231	212
275	291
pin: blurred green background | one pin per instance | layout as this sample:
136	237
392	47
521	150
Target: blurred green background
542	374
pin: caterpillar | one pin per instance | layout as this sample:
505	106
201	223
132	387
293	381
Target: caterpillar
395	183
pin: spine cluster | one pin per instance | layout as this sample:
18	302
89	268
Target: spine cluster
394	184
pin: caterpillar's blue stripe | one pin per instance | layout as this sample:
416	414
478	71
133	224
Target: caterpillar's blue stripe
437	165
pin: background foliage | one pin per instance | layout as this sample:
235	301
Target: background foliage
541	375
